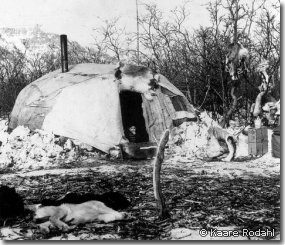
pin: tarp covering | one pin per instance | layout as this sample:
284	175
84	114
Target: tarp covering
168	85
275	142
92	69
75	105
37	98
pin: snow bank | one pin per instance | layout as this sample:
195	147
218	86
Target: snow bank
189	140
23	149
3	131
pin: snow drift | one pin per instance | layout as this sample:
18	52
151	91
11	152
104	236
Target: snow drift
23	149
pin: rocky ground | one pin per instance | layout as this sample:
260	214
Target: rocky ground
206	200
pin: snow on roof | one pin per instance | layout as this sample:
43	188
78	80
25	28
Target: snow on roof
92	69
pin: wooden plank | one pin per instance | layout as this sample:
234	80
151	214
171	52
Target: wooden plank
265	147
156	117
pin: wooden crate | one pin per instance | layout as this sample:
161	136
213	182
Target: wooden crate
257	148
257	135
257	141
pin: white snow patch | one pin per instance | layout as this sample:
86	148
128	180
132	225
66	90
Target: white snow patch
26	150
189	140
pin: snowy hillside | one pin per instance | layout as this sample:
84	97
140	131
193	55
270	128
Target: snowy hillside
31	40
34	42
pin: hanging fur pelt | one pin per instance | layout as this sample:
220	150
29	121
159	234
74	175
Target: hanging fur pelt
236	56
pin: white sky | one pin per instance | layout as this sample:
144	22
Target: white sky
77	18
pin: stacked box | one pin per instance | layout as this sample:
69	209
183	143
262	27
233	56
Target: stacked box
257	141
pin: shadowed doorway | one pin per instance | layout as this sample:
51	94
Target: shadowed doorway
132	115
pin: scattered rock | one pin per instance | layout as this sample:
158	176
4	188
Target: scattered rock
179	233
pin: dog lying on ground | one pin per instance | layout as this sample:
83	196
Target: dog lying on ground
75	209
75	214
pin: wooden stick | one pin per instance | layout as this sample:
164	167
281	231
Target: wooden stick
163	212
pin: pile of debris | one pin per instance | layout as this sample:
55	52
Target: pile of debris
25	149
189	140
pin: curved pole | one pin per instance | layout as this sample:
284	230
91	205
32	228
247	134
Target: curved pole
163	212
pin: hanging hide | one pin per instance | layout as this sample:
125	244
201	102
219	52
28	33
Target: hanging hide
236	56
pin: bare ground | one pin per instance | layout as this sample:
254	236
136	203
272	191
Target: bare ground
232	196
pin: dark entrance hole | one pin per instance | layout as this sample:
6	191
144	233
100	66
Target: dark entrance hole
132	115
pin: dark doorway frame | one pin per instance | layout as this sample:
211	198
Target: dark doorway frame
132	115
